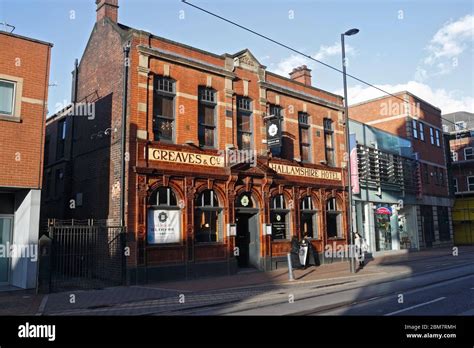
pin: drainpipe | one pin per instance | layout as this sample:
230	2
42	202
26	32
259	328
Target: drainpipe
126	52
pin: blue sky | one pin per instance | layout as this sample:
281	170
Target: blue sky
420	45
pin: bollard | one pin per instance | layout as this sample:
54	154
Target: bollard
290	268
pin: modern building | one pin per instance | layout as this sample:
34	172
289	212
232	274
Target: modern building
24	77
385	189
226	161
407	116
459	131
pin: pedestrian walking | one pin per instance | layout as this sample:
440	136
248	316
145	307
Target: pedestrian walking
360	247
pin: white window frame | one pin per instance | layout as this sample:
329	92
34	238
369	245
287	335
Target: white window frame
415	129
432	136
421	130
454	156
468	185
465	154
17	94
13	101
438	141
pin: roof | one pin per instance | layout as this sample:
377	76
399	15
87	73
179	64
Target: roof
26	38
450	119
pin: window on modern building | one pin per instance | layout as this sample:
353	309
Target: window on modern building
422	131
279	217
207	117
438	141
329	142
455	185
61	139
309	218
470	183
468	153
208	223
432	136
427	173
460	125
244	123
305	136
7	97
454	156
163	109
415	129
333	219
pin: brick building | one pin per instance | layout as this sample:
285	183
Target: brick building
407	116
458	128
205	192
24	76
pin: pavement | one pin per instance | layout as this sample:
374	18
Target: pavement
247	289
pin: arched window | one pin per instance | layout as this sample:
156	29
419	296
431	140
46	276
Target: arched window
333	219
208	221
279	217
309	218
164	217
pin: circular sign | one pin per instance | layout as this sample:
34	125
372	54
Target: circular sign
162	217
272	130
278	217
245	201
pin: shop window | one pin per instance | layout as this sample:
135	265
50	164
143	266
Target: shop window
208	224
164	217
244	123
305	136
279	217
329	142
207	117
308	221
333	219
163	109
163	197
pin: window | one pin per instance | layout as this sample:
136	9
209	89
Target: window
441	176
422	131
438	142
274	110
329	142
244	123
436	177
445	128
427	173
163	197
470	183
333	219
207	117
415	129
279	217
460	125
468	154
308	222
305	141
58	177
163	109
208	224
61	142
455	185
431	135
454	156
164	217
7	97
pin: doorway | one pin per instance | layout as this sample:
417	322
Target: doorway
247	239
6	228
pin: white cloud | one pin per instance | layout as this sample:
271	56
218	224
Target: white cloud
285	66
447	101
445	47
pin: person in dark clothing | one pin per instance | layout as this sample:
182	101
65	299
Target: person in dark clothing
295	251
312	258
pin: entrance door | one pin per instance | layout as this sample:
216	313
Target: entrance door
428	225
247	240
6	224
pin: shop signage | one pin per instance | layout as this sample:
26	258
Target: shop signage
383	211
305	172
279	227
273	132
185	158
164	226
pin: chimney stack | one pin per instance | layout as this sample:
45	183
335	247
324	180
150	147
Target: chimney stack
301	74
107	8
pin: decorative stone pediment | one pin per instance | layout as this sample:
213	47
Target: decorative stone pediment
246	60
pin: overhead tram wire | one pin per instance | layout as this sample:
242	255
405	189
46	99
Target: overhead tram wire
296	51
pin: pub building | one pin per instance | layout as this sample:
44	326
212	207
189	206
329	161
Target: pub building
227	160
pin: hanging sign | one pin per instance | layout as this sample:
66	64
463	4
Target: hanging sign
164	226
273	132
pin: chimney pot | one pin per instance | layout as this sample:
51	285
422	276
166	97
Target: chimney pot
301	74
107	8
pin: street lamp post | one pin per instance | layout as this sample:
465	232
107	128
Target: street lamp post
346	120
